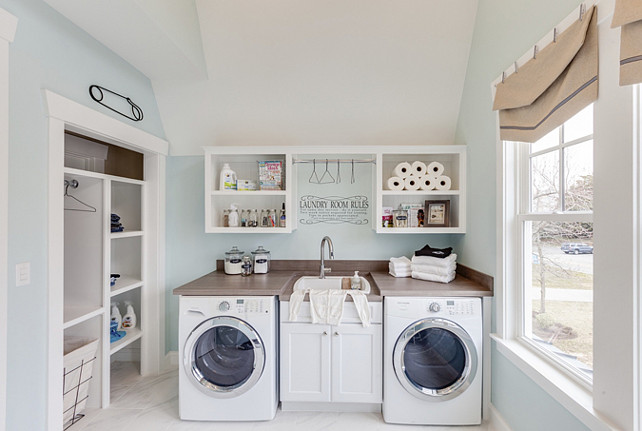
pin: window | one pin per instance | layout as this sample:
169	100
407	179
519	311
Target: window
555	223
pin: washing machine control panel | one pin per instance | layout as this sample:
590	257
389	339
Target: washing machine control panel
451	307
245	305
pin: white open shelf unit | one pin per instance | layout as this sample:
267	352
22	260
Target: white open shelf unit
92	253
453	157
246	167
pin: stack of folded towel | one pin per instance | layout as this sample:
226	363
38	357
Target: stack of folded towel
434	264
116	225
399	267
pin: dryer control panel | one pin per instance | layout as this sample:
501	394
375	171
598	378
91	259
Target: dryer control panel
450	307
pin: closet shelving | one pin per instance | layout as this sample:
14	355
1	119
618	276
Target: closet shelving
92	253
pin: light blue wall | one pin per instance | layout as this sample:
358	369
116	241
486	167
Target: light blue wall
504	30
48	53
192	253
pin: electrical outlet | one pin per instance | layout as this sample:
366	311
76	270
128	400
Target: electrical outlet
23	274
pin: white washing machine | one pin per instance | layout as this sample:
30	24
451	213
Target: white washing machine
228	351
432	369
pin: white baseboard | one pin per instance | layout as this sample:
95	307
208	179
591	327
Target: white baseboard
171	361
496	420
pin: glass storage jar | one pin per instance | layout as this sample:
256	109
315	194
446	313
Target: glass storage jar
261	259
233	261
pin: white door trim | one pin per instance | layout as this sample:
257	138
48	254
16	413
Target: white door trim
8	25
65	114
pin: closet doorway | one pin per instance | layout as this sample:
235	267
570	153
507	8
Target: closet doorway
99	166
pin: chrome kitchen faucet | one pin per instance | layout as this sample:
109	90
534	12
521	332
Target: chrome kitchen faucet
323	269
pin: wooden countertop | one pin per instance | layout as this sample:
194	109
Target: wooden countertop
280	281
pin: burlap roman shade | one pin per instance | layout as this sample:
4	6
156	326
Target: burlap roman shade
552	87
628	15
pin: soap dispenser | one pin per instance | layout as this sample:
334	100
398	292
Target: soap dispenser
129	320
355	281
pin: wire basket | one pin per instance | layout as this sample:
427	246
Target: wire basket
80	354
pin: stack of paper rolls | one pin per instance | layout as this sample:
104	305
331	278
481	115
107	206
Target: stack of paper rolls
419	176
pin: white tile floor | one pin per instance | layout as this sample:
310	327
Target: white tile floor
151	403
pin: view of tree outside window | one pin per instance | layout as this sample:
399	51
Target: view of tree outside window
557	227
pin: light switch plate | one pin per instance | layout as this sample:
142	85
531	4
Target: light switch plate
23	274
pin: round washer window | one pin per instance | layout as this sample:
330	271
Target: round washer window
434	358
224	356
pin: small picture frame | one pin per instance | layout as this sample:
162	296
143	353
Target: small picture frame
437	214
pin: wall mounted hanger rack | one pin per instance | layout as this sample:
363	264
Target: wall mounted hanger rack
326	177
74	185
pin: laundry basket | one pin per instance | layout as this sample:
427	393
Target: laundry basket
80	354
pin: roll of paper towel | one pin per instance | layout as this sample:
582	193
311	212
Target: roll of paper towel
427	182
443	183
402	170
395	183
435	169
418	169
411	183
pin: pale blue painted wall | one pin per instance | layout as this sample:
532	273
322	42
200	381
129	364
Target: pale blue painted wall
192	253
48	53
504	30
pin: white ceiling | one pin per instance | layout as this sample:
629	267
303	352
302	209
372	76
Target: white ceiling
293	72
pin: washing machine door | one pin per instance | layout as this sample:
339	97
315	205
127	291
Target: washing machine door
224	356
435	359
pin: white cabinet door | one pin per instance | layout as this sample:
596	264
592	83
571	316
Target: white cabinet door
305	362
356	360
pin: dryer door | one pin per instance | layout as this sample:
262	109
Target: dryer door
435	359
224	356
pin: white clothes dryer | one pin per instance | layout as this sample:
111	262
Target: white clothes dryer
228	351
432	361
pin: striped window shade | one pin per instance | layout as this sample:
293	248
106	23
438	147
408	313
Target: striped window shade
551	87
628	15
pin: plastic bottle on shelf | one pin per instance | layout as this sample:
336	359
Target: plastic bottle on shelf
227	178
355	281
233	217
116	316
129	319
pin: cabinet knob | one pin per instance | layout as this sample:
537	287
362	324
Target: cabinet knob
325	332
336	333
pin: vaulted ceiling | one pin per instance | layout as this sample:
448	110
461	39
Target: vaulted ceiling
292	72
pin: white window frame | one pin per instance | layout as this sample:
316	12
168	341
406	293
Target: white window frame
615	401
525	214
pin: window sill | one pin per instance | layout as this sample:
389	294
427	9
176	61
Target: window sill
569	393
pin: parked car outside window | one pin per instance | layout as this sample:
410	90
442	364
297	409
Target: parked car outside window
577	248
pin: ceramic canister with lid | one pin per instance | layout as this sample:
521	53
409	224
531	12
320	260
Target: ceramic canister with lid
233	261
261	260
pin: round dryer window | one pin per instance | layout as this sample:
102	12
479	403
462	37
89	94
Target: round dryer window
435	359
225	356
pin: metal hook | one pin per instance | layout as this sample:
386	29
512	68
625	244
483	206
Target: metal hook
338	171
535	51
555	34
503	76
516	68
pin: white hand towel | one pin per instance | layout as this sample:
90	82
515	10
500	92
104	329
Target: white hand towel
400	274
433	277
361	303
326	305
295	303
398	268
437	261
403	260
432	269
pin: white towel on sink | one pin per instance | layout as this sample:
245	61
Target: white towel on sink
326	305
295	303
361	303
